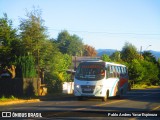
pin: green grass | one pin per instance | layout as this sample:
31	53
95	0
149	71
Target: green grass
3	98
143	86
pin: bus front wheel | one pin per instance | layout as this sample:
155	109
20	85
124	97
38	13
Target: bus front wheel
104	99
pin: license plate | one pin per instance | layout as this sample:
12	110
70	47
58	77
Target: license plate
87	89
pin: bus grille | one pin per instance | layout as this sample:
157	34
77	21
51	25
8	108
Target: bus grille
88	88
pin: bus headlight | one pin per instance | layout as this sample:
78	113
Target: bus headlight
77	86
99	86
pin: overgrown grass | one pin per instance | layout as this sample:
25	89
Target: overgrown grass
143	86
3	98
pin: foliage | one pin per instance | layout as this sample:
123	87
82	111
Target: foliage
116	56
26	66
63	41
136	71
32	33
31	49
4	98
149	57
47	53
69	44
57	74
144	86
141	71
75	47
60	66
7	39
89	51
150	73
129	52
105	58
158	61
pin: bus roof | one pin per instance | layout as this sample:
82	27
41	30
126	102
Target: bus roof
107	63
92	60
110	63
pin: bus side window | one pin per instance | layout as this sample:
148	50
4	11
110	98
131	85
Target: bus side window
125	72
115	72
107	71
113	75
111	72
121	72
117	69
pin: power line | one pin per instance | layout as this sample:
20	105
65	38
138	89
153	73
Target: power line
104	32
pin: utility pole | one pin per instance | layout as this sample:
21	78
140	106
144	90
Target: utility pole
144	49
141	51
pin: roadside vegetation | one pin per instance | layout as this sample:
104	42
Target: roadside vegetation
143	68
33	53
144	86
10	98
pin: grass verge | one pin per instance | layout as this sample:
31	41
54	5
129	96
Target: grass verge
10	98
143	86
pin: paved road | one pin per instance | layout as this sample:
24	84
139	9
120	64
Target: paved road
137	104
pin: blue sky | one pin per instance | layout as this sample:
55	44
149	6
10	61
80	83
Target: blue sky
103	24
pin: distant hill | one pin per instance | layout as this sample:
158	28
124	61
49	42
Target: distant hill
109	52
155	53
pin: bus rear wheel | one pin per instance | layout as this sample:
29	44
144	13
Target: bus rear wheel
104	99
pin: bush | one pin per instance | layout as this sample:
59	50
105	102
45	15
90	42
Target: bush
26	66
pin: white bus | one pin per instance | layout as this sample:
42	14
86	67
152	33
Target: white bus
100	79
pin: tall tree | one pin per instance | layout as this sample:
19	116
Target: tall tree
89	51
33	33
148	56
116	56
69	44
76	46
159	61
63	41
8	40
136	71
129	52
105	58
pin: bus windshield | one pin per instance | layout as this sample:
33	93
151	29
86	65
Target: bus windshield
90	71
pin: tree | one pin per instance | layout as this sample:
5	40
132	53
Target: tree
129	52
25	66
89	51
56	73
159	61
149	57
151	73
8	38
69	44
105	58
76	46
63	41
33	34
136	71
116	56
